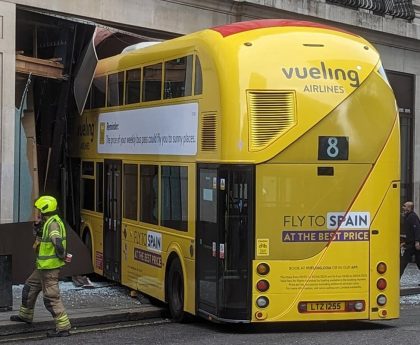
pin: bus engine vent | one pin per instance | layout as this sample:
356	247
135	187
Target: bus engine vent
208	131
271	113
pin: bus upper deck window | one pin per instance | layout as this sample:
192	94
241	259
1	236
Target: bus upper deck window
198	83
152	83
178	77
132	87
115	89
98	92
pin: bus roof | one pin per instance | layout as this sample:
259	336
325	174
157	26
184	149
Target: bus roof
235	28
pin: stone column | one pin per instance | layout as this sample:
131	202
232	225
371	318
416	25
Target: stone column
7	109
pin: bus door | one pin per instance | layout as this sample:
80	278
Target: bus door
112	220
225	241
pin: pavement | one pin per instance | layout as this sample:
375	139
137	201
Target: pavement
410	280
106	302
109	302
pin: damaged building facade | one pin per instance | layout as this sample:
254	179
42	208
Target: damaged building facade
45	44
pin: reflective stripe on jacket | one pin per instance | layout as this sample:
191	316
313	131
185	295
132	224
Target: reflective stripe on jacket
47	258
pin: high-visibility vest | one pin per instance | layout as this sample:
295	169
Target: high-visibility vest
47	258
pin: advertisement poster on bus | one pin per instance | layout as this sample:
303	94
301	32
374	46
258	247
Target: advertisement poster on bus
165	130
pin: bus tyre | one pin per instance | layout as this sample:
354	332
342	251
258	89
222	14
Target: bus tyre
176	291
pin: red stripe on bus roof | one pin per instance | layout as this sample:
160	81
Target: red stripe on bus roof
234	28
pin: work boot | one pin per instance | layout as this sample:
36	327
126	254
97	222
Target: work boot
55	333
17	318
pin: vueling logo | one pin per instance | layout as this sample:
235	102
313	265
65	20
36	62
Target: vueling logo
323	72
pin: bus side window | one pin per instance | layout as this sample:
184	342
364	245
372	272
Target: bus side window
130	191
115	94
198	82
98	92
88	186
178	77
99	187
149	194
152	83
174	197
132	86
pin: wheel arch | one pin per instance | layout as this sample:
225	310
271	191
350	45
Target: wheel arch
86	230
175	253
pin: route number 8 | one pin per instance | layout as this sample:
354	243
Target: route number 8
333	148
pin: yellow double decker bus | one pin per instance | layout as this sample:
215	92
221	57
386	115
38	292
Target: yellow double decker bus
245	173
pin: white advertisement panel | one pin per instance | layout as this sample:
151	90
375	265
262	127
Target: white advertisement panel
165	130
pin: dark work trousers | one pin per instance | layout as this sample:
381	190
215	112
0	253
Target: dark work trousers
47	282
407	257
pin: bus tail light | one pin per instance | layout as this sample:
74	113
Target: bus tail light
262	302
381	300
263	269
381	268
263	285
381	284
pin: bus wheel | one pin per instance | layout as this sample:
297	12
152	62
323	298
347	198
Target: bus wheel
176	291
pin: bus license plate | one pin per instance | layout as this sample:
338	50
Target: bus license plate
326	307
